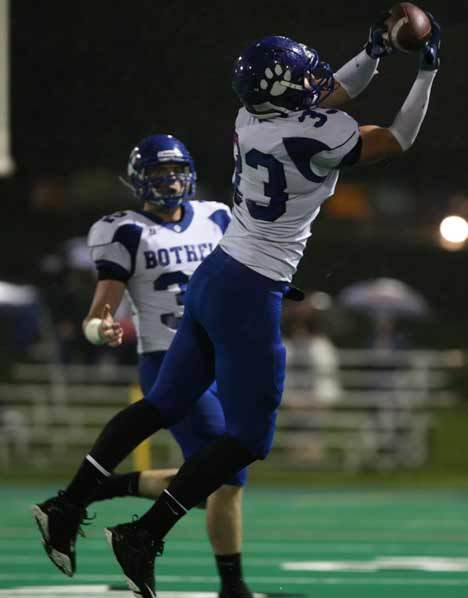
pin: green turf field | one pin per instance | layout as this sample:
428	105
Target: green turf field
323	544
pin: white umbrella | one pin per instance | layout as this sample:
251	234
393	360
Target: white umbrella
384	297
15	295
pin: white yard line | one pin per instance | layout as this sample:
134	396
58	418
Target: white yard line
281	582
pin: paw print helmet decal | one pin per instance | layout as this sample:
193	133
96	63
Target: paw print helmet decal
276	75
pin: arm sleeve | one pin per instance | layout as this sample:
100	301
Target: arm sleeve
357	73
409	119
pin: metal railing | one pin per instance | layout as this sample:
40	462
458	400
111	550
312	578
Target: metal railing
51	414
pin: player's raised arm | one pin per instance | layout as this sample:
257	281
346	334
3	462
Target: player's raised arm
354	76
99	326
379	143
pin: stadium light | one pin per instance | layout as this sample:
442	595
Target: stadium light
454	230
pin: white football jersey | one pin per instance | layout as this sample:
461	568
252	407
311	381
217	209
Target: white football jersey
285	169
156	259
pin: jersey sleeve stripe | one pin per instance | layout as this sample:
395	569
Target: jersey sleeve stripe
111	271
129	236
344	142
353	155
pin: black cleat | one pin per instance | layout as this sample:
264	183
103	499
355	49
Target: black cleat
59	522
135	550
238	590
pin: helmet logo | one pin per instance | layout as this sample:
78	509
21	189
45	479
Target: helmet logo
168	154
278	81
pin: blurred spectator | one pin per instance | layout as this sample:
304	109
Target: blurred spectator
19	319
385	301
312	359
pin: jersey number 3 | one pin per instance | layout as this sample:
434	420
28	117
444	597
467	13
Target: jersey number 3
300	151
274	188
176	281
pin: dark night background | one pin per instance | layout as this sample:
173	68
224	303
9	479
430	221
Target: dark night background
89	79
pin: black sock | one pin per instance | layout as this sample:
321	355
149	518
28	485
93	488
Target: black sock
119	484
198	477
87	478
119	437
163	515
207	470
229	569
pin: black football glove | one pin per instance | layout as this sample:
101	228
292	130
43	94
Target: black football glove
378	45
294	294
430	53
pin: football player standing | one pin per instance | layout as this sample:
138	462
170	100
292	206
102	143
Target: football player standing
288	154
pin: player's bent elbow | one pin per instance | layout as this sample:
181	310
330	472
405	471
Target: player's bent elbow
378	143
403	143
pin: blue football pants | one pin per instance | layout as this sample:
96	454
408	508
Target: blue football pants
230	332
204	420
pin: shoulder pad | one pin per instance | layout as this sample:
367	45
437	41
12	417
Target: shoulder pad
217	212
103	231
221	216
214	206
207	208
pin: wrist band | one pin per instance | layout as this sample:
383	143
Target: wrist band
92	331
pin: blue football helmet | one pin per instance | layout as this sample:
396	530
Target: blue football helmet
156	150
277	74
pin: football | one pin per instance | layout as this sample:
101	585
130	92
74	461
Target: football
408	27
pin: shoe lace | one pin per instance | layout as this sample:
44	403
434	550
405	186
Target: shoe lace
85	519
155	547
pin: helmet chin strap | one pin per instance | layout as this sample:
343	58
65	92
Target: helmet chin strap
161	203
